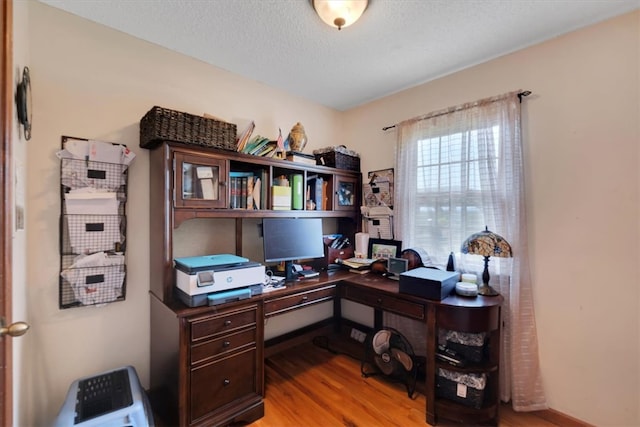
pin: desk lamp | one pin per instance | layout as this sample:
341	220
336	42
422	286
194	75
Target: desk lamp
486	243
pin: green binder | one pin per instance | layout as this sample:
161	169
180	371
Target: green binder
297	191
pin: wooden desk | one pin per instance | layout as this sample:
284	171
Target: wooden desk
195	352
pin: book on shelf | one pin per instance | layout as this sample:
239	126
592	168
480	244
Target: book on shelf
267	150
257	193
233	192
254	150
243	192
316	186
243	138
325	195
297	156
264	189
249	197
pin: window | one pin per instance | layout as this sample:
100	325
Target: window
449	200
457	171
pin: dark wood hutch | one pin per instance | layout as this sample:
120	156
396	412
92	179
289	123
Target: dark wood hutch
207	363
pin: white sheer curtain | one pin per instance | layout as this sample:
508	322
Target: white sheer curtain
457	171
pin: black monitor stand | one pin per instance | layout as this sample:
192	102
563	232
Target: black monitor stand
291	274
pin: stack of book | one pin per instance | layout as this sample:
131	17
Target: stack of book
317	188
297	156
256	146
247	189
259	146
357	263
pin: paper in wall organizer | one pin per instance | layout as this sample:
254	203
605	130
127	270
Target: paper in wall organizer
93	233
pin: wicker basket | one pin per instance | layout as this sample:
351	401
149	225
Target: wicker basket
162	124
471	353
470	346
338	157
449	388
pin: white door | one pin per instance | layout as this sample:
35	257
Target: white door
12	226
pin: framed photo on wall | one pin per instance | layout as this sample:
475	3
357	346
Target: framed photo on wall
384	248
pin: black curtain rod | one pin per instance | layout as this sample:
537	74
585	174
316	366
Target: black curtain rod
520	96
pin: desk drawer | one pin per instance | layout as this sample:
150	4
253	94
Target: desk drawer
220	383
220	323
384	302
298	300
223	345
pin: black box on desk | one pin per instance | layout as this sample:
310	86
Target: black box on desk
428	283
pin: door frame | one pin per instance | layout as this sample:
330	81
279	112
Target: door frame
6	207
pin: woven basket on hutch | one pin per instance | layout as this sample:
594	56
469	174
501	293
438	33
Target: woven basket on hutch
338	157
162	124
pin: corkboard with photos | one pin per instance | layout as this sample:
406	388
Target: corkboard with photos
379	190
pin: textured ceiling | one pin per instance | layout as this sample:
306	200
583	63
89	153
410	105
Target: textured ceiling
396	44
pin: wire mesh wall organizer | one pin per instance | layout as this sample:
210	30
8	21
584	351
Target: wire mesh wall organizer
93	223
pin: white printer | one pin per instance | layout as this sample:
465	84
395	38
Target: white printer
199	276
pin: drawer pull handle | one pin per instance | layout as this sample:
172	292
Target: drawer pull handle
226	382
227	322
379	301
304	298
226	344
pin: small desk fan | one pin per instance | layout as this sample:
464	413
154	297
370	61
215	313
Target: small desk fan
389	353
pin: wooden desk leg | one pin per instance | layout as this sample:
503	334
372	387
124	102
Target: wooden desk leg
432	338
377	319
337	314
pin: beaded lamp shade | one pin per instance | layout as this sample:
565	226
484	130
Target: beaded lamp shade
487	244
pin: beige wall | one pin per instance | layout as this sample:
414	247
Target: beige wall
92	82
581	135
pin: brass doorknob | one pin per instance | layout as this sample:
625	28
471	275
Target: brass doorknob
16	329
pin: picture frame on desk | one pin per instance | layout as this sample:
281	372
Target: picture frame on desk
384	248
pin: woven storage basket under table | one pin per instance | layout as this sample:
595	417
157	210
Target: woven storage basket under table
162	124
338	157
467	389
470	346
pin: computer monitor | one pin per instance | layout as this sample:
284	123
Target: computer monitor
292	239
395	266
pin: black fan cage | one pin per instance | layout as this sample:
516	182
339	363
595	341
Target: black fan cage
398	363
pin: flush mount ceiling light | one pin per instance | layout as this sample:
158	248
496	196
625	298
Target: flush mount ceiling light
340	13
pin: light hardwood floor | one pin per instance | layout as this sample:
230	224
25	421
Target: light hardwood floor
309	386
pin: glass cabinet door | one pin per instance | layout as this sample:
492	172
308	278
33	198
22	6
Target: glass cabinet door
200	182
346	193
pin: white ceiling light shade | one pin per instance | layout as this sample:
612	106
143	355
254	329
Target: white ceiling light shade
340	13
